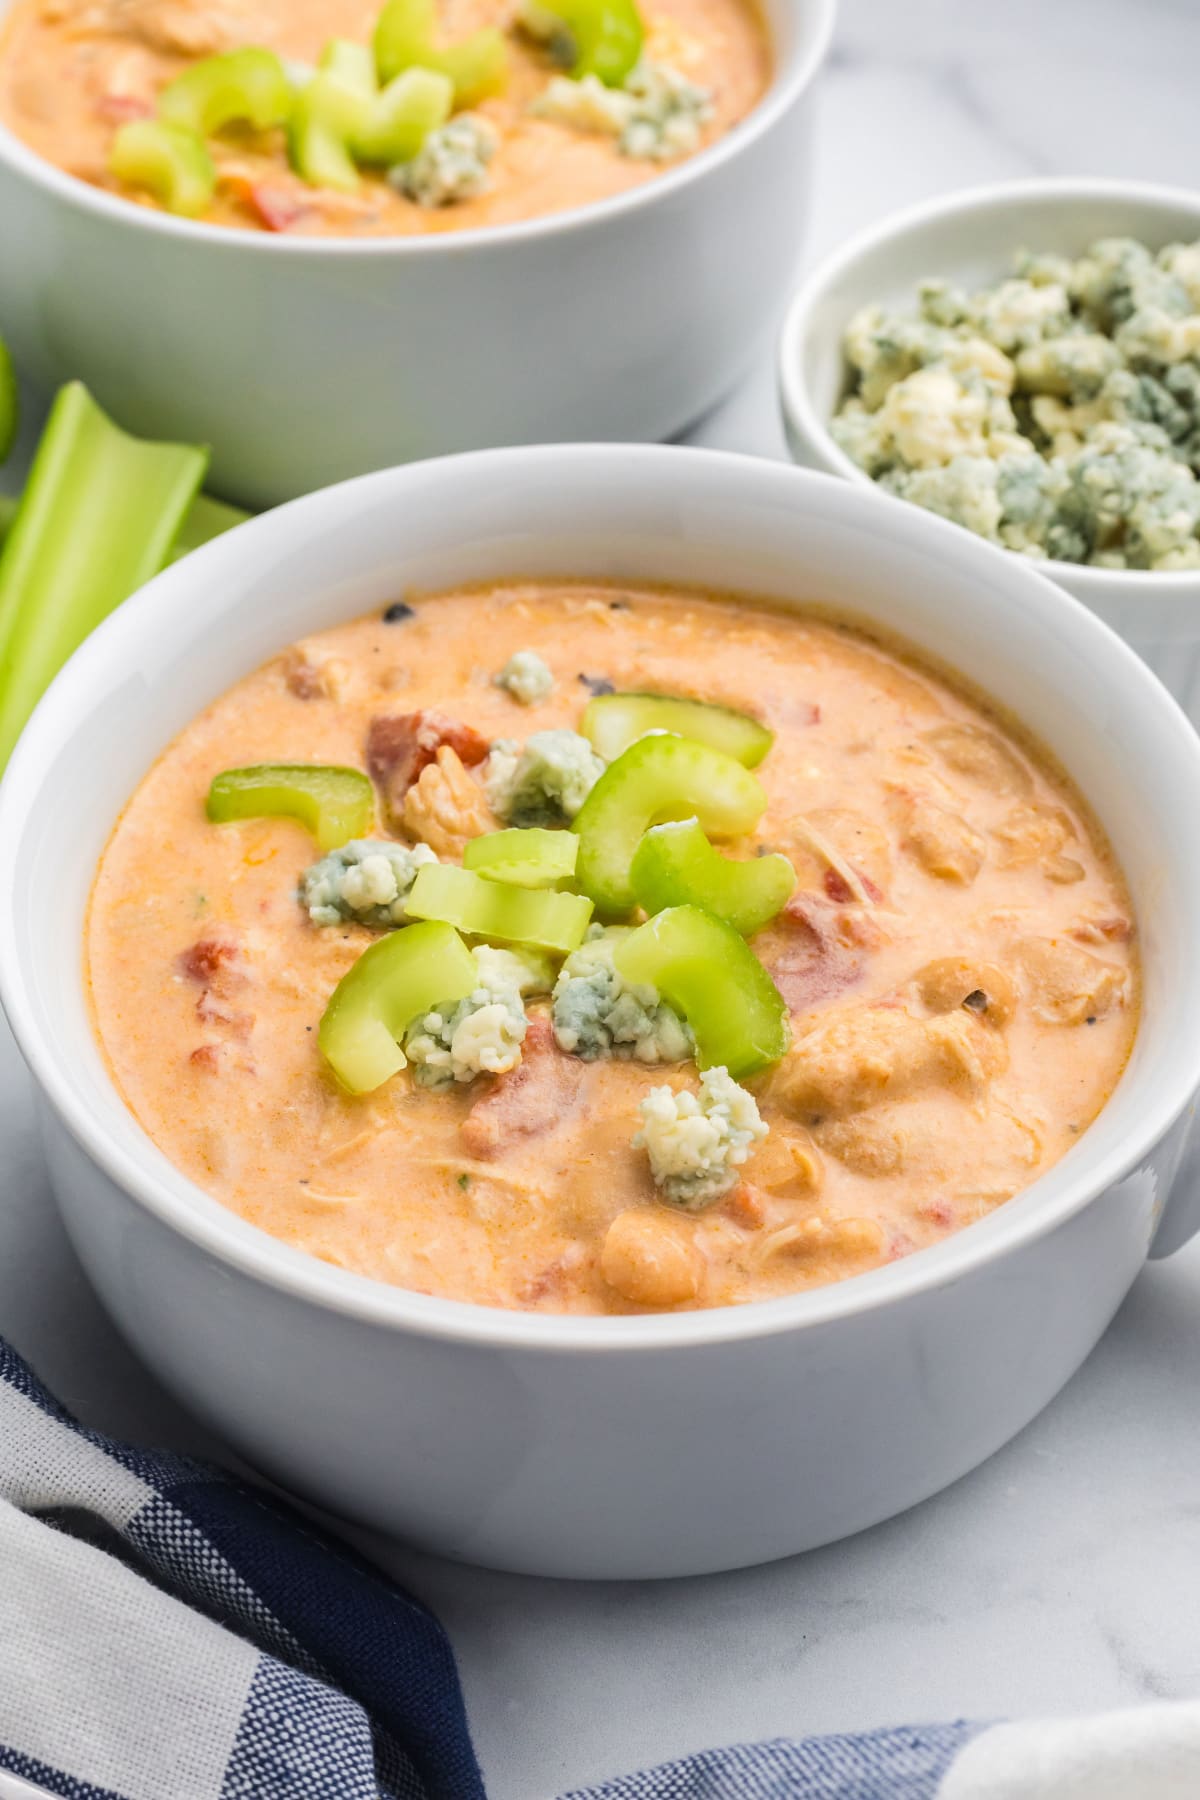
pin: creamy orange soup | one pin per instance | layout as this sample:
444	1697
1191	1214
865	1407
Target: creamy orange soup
73	71
958	961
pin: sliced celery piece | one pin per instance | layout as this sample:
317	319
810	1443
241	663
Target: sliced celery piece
404	39
533	858
206	519
10	402
336	804
326	115
403	115
352	63
8	512
391	984
242	86
657	778
675	865
497	910
591	37
611	722
169	161
709	974
97	519
391	126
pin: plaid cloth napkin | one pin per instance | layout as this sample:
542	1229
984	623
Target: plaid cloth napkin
168	1633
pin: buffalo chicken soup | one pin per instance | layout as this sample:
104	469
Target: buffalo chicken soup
586	950
333	118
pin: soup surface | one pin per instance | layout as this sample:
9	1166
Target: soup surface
957	964
72	72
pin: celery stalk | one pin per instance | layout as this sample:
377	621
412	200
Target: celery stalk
97	519
10	402
206	519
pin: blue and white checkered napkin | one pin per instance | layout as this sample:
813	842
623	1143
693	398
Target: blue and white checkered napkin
167	1633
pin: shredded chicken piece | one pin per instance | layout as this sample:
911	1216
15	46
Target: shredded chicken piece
446	807
853	882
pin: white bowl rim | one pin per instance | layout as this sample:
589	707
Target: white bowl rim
229	1239
1095	584
789	79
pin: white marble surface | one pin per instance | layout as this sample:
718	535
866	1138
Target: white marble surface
1063	1575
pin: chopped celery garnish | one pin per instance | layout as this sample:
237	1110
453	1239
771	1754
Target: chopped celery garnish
657	778
534	858
327	114
8	512
591	37
709	974
350	62
169	161
336	804
477	65
10	404
206	519
97	519
611	722
391	984
242	86
498	911
401	118
675	865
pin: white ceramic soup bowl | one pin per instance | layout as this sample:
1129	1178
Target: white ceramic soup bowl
971	238
305	361
648	1446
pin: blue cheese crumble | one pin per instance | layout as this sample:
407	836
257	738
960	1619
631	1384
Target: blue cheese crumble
544	782
451	165
697	1142
597	1015
483	1034
657	116
1056	413
527	677
366	882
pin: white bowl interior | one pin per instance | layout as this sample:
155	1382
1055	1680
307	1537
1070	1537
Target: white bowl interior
716	522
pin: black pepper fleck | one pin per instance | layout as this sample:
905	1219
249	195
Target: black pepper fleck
1091	1020
398	611
464	1182
597	684
977	1000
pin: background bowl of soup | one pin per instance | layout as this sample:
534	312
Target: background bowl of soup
636	1446
971	239
303	360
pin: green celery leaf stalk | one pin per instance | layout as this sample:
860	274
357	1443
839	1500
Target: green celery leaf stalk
98	517
205	519
10	403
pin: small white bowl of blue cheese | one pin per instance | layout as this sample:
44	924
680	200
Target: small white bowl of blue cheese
1025	361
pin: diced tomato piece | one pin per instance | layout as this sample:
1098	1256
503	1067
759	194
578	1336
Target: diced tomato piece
541	1091
277	208
213	961
400	745
839	891
810	954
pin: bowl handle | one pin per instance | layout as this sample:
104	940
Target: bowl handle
1180	1219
